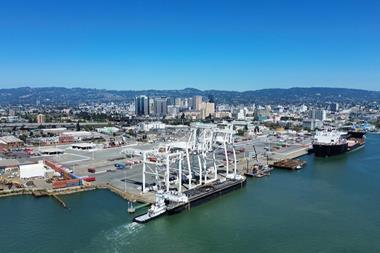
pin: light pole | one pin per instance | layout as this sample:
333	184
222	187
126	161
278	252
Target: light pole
125	181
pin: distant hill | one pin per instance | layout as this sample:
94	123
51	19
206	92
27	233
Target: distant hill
73	96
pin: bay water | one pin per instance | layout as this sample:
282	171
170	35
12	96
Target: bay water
332	205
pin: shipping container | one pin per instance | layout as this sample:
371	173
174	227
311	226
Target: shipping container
58	168
66	183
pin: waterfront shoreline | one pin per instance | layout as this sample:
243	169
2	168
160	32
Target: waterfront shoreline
146	198
126	195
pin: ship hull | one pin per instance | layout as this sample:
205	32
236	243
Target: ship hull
357	145
144	218
321	150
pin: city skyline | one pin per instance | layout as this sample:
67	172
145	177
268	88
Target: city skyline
173	45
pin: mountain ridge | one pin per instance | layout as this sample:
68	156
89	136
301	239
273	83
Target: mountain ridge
294	95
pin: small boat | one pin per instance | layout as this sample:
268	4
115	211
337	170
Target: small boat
267	168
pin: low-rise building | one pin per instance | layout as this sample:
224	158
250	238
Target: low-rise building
55	131
10	142
70	136
8	164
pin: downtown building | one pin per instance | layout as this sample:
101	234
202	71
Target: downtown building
197	103
161	106
41	118
142	106
315	119
317	114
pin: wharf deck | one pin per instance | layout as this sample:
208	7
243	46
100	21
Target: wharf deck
148	197
39	193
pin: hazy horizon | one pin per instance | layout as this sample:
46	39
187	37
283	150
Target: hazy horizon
163	89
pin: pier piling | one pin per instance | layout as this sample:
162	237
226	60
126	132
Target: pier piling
60	201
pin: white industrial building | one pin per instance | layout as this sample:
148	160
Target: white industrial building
78	135
34	170
108	130
146	126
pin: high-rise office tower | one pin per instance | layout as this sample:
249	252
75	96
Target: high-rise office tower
161	106
197	103
142	105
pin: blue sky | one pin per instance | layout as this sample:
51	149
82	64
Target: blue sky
231	45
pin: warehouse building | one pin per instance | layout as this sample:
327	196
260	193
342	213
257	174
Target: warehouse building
10	142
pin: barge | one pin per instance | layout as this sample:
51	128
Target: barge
206	192
192	197
290	164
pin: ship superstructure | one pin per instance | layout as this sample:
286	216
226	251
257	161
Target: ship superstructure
329	143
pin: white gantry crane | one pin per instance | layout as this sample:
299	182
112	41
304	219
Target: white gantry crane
183	165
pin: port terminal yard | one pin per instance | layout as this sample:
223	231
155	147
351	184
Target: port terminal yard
206	161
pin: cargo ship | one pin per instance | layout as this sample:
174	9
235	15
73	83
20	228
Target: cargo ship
191	198
331	143
355	139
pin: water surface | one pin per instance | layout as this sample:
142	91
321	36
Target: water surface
332	205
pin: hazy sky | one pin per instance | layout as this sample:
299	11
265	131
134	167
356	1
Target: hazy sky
233	45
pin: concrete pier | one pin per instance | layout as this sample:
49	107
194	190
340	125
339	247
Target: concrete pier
137	196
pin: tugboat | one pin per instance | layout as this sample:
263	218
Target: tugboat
157	209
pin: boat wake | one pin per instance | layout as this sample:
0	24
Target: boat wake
124	231
120	238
